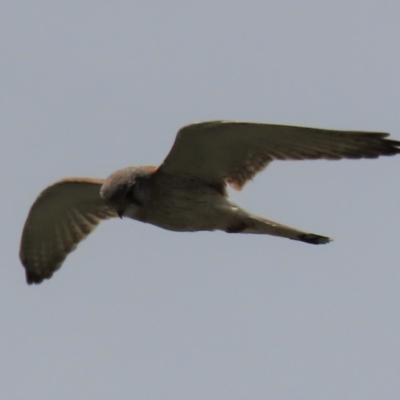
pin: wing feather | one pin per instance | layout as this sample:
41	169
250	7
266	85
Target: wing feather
233	152
62	215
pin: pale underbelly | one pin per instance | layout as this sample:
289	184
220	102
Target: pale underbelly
191	216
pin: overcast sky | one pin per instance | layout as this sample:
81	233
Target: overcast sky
137	312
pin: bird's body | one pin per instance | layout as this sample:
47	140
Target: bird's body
185	204
187	193
179	204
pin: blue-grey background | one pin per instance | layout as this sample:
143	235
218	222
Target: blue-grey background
136	312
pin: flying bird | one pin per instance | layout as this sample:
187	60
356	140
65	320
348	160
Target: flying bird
187	193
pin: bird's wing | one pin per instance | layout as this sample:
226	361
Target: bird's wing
62	215
233	152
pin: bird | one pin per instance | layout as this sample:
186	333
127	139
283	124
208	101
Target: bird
188	191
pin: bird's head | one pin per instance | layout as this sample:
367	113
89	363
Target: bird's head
125	188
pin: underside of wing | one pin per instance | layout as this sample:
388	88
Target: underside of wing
62	215
234	152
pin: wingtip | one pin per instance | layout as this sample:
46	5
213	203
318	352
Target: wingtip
34	278
311	238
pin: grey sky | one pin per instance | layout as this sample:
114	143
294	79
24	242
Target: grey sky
140	313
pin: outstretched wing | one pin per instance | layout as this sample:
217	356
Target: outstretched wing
234	152
62	215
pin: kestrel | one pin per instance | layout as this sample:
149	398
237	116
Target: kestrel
187	193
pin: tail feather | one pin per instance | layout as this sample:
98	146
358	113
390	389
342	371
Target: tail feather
258	225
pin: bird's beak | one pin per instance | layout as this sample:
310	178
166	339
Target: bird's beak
120	212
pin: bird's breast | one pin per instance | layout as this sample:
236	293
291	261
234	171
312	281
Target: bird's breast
181	205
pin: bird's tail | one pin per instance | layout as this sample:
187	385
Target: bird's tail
258	225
